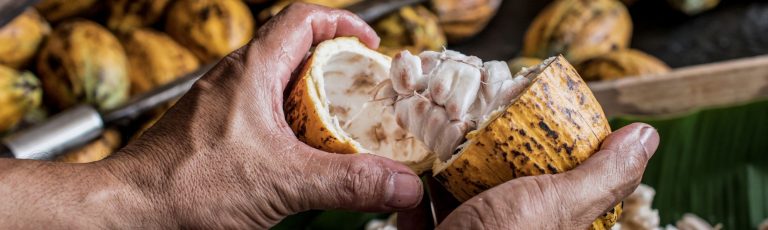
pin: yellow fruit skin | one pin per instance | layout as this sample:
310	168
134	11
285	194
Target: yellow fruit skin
518	63
83	62
21	38
211	29
95	151
463	19
19	93
304	116
554	125
155	59
413	28
57	10
620	64
579	30
126	15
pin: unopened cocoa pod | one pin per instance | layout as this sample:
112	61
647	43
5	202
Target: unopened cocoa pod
83	62
517	64
21	38
413	28
155	59
96	150
20	92
126	15
278	6
58	10
578	29
463	19
620	64
211	29
692	7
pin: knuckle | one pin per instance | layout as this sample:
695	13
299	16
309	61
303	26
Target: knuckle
361	179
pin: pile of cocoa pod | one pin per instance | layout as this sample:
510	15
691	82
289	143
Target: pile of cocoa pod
428	26
594	35
61	53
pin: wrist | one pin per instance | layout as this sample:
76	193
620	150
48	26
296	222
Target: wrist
132	194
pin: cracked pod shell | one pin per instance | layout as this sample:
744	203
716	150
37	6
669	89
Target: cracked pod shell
553	126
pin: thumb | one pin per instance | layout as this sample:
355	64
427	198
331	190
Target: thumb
610	175
358	182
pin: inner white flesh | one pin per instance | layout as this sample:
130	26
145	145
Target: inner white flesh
349	81
440	96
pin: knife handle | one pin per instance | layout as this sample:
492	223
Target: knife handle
62	132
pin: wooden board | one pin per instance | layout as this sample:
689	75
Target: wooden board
686	89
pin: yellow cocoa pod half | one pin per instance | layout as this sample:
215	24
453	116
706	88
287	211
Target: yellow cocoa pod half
693	7
96	150
155	59
463	19
329	95
620	64
413	28
517	64
20	92
82	62
211	29
57	10
578	30
21	38
553	124
125	15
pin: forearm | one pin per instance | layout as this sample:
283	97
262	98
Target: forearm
39	193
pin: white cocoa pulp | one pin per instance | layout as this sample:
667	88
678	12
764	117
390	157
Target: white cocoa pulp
440	96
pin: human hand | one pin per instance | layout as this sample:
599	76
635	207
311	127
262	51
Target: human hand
224	155
569	200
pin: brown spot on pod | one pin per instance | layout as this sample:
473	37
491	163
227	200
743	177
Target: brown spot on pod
550	133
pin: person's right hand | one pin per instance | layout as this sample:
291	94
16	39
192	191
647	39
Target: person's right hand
568	200
222	157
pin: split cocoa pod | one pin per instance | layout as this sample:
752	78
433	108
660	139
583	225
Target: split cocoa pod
350	99
620	64
578	30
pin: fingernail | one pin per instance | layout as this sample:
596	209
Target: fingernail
404	190
650	140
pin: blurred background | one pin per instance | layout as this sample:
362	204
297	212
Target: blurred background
697	70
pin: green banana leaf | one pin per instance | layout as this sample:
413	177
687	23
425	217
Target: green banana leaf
713	163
